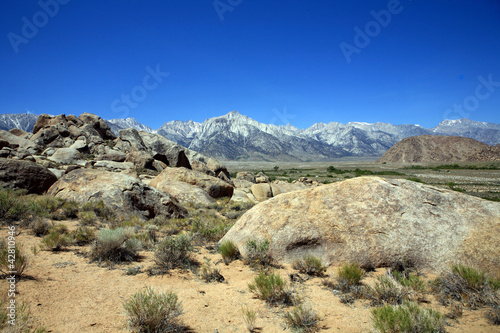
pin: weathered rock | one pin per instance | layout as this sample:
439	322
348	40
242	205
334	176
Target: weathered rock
122	193
130	140
204	164
370	219
262	178
99	125
241	183
16	142
215	187
75	120
262	191
282	187
165	150
67	156
112	155
141	159
20	133
80	144
45	120
57	172
113	166
18	174
246	175
184	192
243	197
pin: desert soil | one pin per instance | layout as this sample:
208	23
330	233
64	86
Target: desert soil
66	293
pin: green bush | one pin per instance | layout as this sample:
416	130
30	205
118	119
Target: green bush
228	251
40	227
409	279
350	274
258	253
115	245
56	240
99	208
303	319
389	291
272	288
174	252
150	311
209	274
310	265
83	236
208	228
407	318
13	205
12	259
469	286
87	217
475	278
249	316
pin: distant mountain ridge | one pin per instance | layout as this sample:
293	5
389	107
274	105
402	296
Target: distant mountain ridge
23	121
237	137
436	148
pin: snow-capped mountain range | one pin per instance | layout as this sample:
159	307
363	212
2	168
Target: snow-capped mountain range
238	137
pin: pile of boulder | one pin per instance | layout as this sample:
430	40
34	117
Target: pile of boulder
257	188
81	159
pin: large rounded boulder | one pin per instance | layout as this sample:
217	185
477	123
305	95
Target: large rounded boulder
215	187
376	221
120	192
17	174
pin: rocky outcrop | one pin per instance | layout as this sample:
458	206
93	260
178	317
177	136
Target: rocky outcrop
25	175
215	187
184	192
370	219
246	176
262	191
67	156
429	148
120	192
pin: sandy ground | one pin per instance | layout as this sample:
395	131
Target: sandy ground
66	293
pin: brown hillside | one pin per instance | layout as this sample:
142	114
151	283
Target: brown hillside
431	148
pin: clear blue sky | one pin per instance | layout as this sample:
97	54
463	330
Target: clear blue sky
275	61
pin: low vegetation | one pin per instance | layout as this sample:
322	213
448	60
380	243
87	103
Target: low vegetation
258	253
468	286
310	265
153	311
302	318
229	251
174	252
12	259
272	289
407	318
115	245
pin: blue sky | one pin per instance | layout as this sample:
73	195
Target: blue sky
296	61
